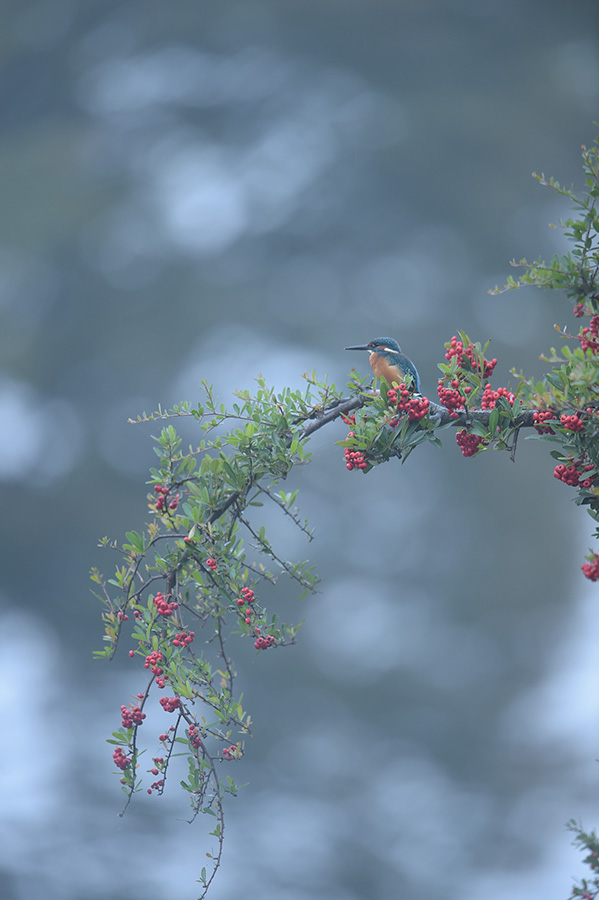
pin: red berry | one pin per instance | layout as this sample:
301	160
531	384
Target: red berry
170	704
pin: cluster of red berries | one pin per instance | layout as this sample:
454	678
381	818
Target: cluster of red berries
121	616
184	638
458	350
193	734
579	309
353	458
573	474
162	492
349	420
591	569
590	339
152	661
247	597
170	704
451	397
572	423
229	751
131	717
539	418
568	474
415	407
263	643
490	397
158	761
164	606
156	786
165	737
120	760
247	594
469	443
212	564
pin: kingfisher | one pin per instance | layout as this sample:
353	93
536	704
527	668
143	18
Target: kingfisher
388	362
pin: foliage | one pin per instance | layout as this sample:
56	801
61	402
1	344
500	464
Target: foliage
587	890
189	580
567	399
198	572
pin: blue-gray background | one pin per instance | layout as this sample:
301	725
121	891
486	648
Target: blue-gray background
283	178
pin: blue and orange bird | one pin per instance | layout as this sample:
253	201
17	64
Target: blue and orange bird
388	362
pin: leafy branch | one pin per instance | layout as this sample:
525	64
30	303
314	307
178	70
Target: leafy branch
193	577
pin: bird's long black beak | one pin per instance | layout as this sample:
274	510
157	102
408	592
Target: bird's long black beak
359	347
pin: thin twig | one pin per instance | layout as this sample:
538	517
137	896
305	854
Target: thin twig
294	518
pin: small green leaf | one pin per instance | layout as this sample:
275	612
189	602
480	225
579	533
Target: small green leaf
136	540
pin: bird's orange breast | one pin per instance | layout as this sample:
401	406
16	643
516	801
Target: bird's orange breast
383	369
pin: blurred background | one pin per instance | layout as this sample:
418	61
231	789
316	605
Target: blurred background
291	177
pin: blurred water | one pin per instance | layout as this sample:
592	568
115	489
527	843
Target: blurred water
324	780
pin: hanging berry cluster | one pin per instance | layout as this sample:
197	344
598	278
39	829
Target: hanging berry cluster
405	402
591	569
354	459
575	473
468	443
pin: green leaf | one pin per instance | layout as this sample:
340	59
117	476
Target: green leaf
233	476
135	540
479	429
